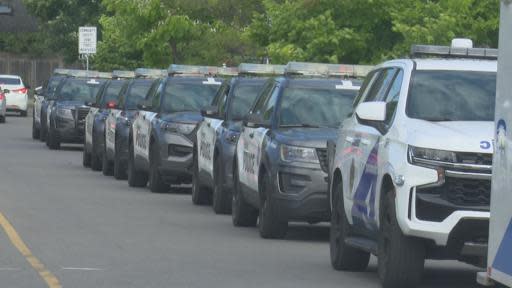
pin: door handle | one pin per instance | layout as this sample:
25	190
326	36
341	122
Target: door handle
251	135
350	140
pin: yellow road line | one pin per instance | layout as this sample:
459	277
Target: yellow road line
16	240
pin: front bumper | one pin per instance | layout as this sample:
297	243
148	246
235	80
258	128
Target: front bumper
176	161
68	132
16	102
302	193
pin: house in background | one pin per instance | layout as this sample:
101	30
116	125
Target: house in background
14	17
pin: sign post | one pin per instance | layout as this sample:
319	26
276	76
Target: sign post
87	39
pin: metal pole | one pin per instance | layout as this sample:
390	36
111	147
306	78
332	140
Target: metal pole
87	62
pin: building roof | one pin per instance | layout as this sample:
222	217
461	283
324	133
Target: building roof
14	17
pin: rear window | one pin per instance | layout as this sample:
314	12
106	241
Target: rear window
10	81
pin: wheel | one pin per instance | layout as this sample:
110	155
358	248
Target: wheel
221	202
272	226
95	157
243	214
23	113
343	257
51	140
35	130
86	158
119	166
107	167
135	177
200	195
156	184
2	119
401	258
43	132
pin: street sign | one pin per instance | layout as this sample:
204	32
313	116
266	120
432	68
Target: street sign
87	40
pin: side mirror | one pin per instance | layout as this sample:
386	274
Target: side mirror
372	111
210	111
143	107
255	121
111	105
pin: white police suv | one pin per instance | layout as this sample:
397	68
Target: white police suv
412	171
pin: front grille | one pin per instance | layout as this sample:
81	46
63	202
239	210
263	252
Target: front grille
179	150
475	158
324	160
82	113
462	192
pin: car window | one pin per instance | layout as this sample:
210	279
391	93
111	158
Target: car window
155	102
111	92
381	85
192	96
242	99
151	95
268	107
315	106
393	96
10	81
52	86
137	93
365	88
452	96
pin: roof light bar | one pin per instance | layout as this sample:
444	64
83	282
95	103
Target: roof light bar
61	71
228	71
176	69
150	73
104	75
460	48
119	74
321	69
83	74
261	69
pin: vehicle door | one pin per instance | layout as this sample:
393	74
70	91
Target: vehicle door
111	122
208	131
94	109
367	140
251	140
146	118
39	98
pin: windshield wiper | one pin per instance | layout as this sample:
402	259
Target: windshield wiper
437	119
303	125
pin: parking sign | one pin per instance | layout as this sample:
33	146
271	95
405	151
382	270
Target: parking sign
87	40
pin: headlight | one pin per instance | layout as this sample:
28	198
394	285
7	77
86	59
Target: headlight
64	112
232	136
427	156
182	128
298	154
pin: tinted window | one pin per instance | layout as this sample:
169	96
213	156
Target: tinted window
52	86
393	97
111	92
179	97
243	98
137	93
316	107
452	96
381	85
365	87
266	110
79	90
10	81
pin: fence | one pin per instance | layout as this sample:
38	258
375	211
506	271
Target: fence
33	71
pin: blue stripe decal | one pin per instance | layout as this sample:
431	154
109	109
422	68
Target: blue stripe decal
367	187
503	260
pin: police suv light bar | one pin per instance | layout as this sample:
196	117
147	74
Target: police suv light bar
83	74
261	69
61	71
119	74
460	48
104	75
322	69
228	71
150	73
192	70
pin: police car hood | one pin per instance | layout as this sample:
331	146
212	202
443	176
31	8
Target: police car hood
458	136
306	137
183	117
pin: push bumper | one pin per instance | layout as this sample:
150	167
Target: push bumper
68	132
302	194
176	160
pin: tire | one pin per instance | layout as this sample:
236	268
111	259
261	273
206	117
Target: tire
35	130
51	140
95	158
107	167
221	202
242	214
271	226
119	166
23	113
401	259
343	257
200	195
135	177
2	119
44	132
86	158
156	184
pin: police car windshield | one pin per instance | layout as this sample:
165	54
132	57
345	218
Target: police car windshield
315	107
53	84
80	90
137	93
192	96
243	98
452	96
111	93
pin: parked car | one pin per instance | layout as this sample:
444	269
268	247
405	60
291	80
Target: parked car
163	134
412	171
3	104
17	97
120	119
212	178
281	164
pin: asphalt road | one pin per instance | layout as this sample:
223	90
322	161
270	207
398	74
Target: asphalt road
92	231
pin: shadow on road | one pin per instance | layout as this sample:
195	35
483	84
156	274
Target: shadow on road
308	233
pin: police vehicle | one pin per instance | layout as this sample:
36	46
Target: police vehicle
42	100
67	110
120	118
163	133
218	133
107	99
281	164
412	171
499	264
3	105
